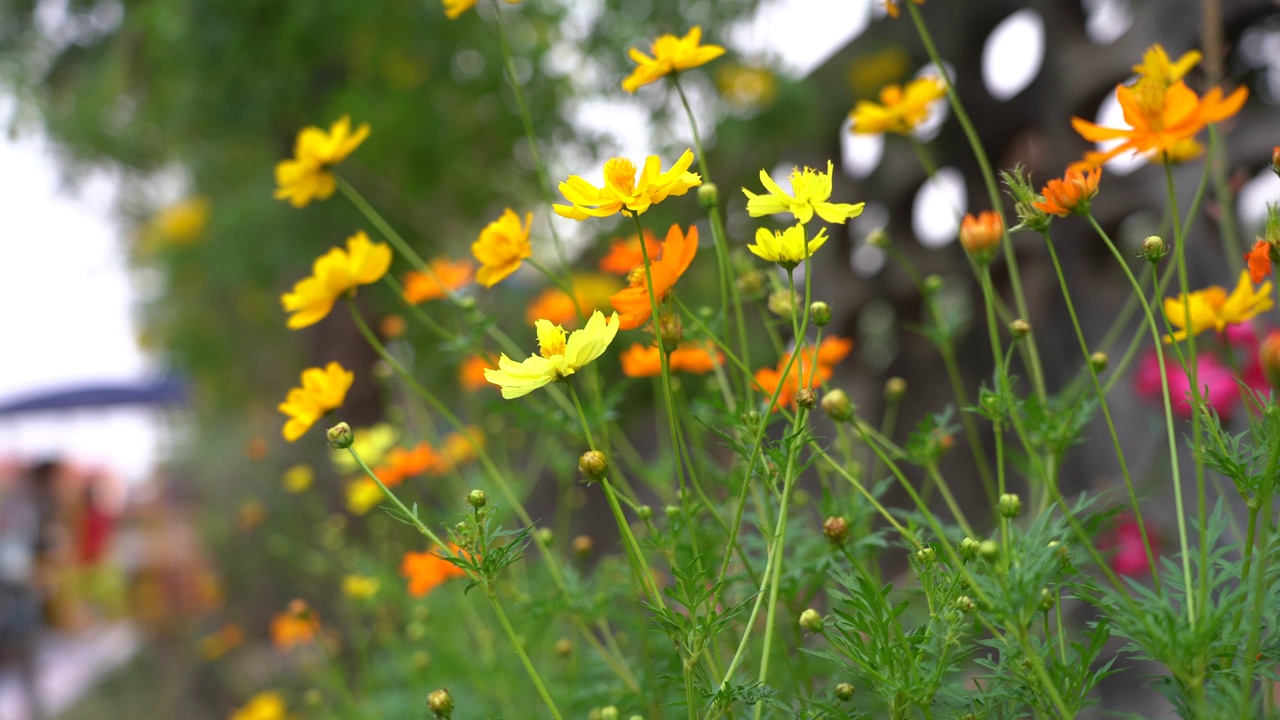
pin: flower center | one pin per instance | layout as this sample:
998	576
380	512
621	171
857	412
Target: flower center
620	174
1151	98
551	342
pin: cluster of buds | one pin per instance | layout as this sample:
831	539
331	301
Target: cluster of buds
1025	200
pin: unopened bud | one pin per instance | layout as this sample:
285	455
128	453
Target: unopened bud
811	620
440	703
879	238
1153	248
671	328
969	548
1269	358
1099	361
609	713
1019	328
1009	505
820	312
895	388
708	195
593	465
644	512
1047	600
1275	160
583	545
671	511
989	549
543	536
564	646
477	499
340	436
836	404
926	556
751	282
932	284
836	529
844	692
782	303
966	604
807	399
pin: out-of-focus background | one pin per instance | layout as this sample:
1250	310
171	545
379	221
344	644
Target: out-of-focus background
143	253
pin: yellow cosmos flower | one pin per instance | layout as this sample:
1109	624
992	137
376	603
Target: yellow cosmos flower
900	109
1158	68
811	190
322	390
263	706
182	223
307	177
670	55
363	495
502	246
1213	309
623	192
786	247
360	587
562	354
298	478
335	273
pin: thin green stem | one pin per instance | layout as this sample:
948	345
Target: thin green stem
524	657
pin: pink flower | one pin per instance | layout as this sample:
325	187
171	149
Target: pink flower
1217	382
1130	556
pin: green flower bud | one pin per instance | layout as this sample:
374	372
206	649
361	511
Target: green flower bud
644	512
837	406
966	604
1153	248
820	312
844	692
593	465
1047	600
926	556
895	388
1098	361
879	238
340	436
1009	505
440	703
477	499
708	195
969	548
932	284
836	529
807	399
811	620
989	549
609	713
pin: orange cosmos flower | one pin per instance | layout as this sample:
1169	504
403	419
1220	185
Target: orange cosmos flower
592	293
632	303
626	255
219	643
1259	259
297	625
446	276
471	372
426	570
1071	194
981	235
402	464
1163	121
645	361
829	353
458	448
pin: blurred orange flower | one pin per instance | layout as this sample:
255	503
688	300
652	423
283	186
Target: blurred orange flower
402	464
1259	259
219	643
645	360
592	292
980	236
829	353
458	448
445	277
426	570
1071	194
297	625
632	303
626	255
471	372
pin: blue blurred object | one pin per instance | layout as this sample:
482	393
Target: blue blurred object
164	391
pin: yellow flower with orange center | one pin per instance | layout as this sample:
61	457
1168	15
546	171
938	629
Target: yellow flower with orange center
307	176
623	191
561	354
502	247
1071	194
322	390
335	274
297	625
426	571
445	277
900	109
1213	309
810	192
671	54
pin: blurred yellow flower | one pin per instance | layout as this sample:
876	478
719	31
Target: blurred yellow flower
502	247
1213	309
745	87
322	390
591	291
562	354
623	192
307	176
363	495
670	55
811	190
263	706
788	247
371	444
1158	68
360	587
453	9
458	448
181	223
334	274
900	109
298	478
